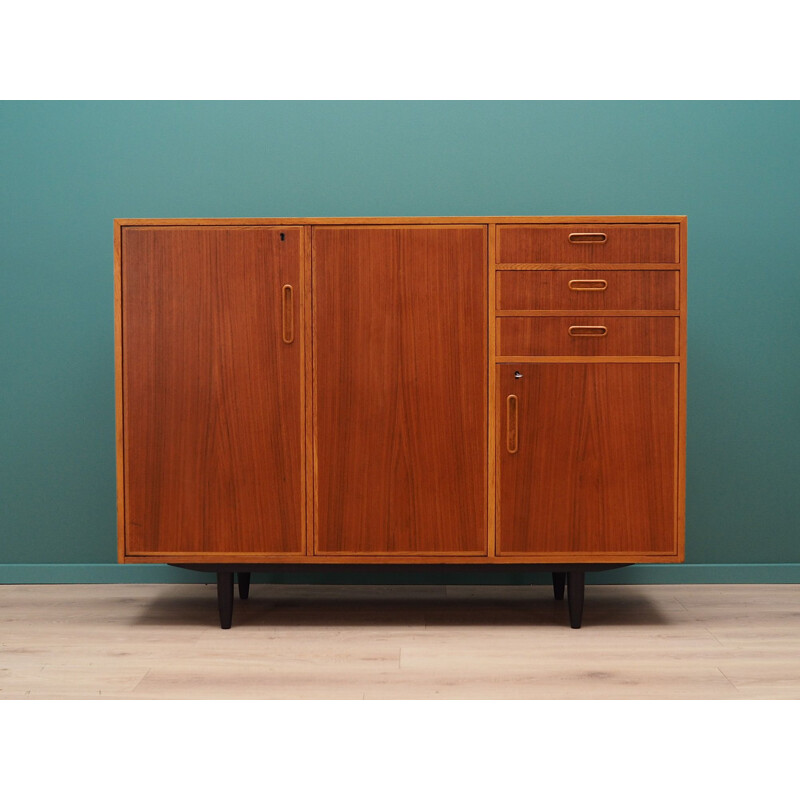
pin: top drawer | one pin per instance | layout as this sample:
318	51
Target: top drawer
565	243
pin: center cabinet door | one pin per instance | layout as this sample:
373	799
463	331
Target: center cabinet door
400	338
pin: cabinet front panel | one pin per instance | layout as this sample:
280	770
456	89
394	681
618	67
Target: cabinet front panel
586	457
579	290
400	378
587	336
587	244
212	390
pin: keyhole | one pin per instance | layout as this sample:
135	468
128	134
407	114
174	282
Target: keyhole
283	236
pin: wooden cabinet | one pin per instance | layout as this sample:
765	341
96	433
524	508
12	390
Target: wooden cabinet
381	391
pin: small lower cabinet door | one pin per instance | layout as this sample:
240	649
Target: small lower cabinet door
586	458
211	353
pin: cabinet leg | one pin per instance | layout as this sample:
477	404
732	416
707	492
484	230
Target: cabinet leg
243	578
559	580
225	598
576	583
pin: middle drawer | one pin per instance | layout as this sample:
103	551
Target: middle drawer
578	290
587	336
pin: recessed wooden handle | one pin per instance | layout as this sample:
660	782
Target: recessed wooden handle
589	237
512	425
287	312
588	285
587	330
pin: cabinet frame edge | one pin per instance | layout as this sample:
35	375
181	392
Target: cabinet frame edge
119	429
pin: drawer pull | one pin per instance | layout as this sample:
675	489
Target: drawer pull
512	427
287	314
587	238
587	285
588	330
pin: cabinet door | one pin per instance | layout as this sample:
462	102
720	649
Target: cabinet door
400	375
212	390
587	459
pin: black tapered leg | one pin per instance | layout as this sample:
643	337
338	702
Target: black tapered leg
559	579
243	579
576	583
225	598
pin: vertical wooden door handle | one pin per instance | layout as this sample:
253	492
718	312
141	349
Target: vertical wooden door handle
287	314
512	425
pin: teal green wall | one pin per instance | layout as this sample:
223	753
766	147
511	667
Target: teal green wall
68	168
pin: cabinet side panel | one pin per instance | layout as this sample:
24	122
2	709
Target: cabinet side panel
120	448
400	373
682	394
212	390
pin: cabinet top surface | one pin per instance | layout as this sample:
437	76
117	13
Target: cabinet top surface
599	219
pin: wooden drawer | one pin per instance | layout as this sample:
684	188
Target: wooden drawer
587	336
587	244
622	290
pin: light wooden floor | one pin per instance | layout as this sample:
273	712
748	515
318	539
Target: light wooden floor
163	641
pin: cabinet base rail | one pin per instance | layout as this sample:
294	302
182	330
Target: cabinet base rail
569	576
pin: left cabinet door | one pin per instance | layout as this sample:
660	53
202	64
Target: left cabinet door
212	366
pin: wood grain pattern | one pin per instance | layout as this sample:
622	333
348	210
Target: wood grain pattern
550	244
549	336
595	464
400	404
625	289
213	407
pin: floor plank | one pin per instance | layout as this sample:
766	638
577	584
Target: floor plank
381	642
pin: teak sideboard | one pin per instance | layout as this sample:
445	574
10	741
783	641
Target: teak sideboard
431	390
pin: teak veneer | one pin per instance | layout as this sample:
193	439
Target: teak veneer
431	390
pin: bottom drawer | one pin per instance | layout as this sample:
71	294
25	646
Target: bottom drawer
587	336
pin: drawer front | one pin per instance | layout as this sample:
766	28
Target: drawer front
587	244
622	290
587	336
